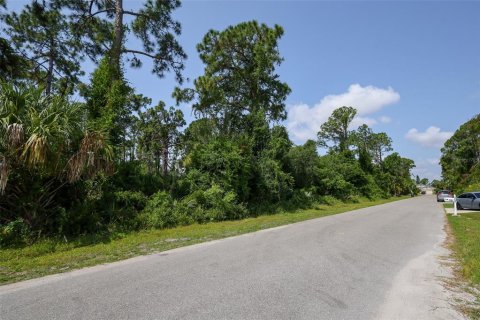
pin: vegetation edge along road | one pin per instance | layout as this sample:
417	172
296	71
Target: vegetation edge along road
466	249
50	257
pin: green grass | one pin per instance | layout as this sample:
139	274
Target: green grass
448	205
466	246
49	256
466	230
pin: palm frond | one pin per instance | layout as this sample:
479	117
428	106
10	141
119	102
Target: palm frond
35	150
94	155
15	134
4	171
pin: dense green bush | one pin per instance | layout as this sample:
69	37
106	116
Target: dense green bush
216	205
159	212
14	232
126	206
328	200
213	204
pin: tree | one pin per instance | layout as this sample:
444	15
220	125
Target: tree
160	136
362	138
42	35
336	130
381	143
111	102
460	158
397	175
239	83
340	176
424	181
303	161
375	144
102	26
270	181
219	162
12	66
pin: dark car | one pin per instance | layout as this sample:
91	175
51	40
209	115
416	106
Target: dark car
469	200
441	195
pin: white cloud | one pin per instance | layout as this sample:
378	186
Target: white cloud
432	137
385	119
427	168
304	121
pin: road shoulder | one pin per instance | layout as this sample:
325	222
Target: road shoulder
420	291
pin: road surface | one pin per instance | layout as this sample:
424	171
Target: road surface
374	263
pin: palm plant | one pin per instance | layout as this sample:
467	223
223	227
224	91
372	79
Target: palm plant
46	139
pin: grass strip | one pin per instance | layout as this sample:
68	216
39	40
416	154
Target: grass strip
466	247
54	256
466	229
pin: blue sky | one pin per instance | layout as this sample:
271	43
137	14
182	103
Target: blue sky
411	68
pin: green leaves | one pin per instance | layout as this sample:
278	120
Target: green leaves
336	129
159	137
41	34
103	27
48	134
460	159
239	78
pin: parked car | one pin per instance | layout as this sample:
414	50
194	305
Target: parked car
469	200
441	195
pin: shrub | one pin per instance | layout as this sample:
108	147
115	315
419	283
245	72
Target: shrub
328	200
303	198
159	212
14	232
214	204
127	205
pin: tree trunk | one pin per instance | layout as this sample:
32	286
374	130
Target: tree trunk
51	55
118	40
165	158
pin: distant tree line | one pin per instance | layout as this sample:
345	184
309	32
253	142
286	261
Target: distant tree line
117	162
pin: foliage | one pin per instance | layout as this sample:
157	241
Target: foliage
117	164
396	175
15	232
42	34
337	176
159	137
303	161
110	102
212	204
460	159
45	144
370	145
239	79
103	27
159	211
336	129
12	66
225	164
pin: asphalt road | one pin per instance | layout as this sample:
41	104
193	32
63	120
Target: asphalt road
348	266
